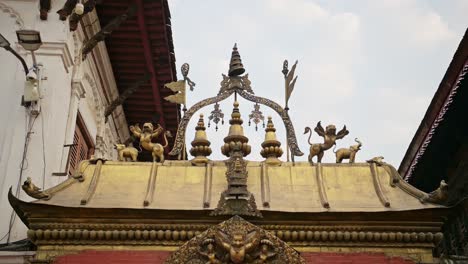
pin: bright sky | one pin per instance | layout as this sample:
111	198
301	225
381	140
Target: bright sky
373	66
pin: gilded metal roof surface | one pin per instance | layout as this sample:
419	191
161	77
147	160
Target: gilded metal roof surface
299	187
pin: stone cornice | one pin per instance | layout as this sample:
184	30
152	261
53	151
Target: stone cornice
59	49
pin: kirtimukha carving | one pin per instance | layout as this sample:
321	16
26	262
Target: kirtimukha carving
34	191
438	196
329	139
146	135
125	152
235	241
348	153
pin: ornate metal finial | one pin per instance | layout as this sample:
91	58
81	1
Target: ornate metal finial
329	140
235	140
289	80
236	199
216	116
236	67
200	145
256	116
271	146
185	70
285	68
178	87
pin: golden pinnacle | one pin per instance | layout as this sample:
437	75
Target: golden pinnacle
200	145
235	140
271	147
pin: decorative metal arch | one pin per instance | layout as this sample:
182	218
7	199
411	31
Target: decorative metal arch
240	85
290	133
180	137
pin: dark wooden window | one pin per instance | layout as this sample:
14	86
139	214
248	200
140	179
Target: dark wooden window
83	146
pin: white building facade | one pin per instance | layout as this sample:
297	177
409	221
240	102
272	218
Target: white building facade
35	141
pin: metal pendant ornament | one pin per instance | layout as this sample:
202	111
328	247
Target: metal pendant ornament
216	116
257	116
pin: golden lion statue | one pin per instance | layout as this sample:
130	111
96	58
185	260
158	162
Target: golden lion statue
125	152
146	135
329	136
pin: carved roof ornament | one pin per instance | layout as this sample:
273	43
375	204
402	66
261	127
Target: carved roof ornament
438	196
236	67
236	199
35	192
179	88
200	145
271	147
234	80
235	241
234	83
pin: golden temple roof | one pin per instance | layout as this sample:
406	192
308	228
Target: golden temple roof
298	187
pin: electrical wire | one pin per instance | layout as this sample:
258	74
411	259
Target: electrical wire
22	168
43	149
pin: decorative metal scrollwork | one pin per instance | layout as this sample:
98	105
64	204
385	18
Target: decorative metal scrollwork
180	137
291	134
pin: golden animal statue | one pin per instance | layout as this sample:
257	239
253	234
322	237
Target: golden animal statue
125	152
329	136
146	135
348	153
34	191
438	196
239	247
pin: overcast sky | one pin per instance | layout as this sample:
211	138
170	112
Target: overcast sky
373	66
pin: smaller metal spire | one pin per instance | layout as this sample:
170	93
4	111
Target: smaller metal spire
200	145
271	147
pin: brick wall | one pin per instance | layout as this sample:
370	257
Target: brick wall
156	257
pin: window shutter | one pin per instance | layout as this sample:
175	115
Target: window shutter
83	146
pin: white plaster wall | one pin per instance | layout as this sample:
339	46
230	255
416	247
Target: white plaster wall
67	86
